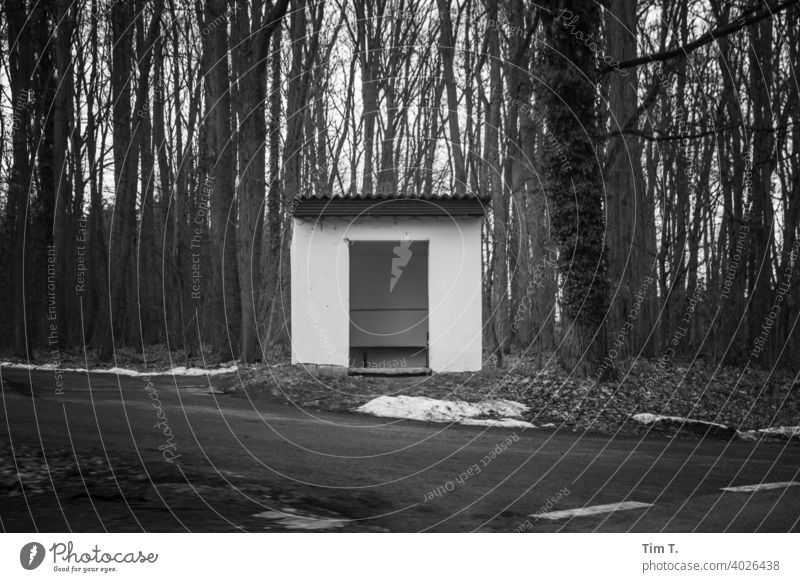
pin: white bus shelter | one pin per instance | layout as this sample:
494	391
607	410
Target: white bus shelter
387	285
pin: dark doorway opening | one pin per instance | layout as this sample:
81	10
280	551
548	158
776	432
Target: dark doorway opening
388	305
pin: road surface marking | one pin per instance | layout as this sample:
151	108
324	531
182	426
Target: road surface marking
592	510
761	487
289	519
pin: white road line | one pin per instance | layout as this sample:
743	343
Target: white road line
761	487
592	510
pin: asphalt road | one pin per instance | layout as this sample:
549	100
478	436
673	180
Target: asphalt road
256	466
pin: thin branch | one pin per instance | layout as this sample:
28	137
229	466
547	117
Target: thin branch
743	21
698	135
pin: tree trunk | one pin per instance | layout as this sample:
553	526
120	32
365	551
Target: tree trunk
493	178
62	113
222	298
763	164
254	37
126	162
21	66
447	50
274	205
631	221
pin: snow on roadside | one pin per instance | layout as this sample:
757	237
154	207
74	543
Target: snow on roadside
780	432
786	433
647	419
505	413
499	423
177	371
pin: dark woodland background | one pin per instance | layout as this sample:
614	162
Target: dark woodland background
641	160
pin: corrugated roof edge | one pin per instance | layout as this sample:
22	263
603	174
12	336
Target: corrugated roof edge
318	207
392	196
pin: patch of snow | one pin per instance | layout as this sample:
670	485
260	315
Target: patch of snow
647	419
20	366
761	487
115	370
177	371
779	432
431	410
591	510
784	431
204	391
184	371
501	423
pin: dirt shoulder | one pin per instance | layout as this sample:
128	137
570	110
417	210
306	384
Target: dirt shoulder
742	401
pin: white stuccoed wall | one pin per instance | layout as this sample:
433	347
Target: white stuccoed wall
321	287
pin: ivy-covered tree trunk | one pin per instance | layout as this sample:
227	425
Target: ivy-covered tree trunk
568	95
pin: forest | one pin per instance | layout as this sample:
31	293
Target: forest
640	160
